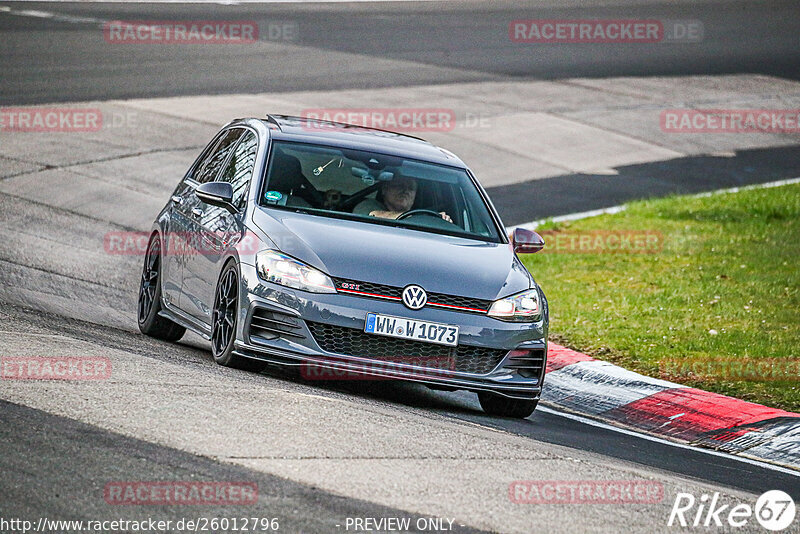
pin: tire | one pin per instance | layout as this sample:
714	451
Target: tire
149	302
224	320
504	407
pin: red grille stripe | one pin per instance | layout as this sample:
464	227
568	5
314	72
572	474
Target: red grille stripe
369	294
456	307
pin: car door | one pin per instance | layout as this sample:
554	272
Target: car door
194	211
210	226
220	229
177	229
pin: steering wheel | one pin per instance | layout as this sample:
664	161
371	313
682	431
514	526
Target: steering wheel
409	213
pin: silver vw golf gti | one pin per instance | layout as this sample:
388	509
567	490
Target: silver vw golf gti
347	252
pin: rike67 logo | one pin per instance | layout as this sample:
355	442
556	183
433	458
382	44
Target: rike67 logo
774	510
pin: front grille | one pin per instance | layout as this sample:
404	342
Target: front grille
271	325
355	342
368	287
372	290
463	302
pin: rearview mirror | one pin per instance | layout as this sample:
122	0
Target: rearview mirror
217	194
526	241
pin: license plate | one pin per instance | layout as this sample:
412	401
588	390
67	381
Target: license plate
387	325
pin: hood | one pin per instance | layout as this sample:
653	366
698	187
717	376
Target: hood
396	256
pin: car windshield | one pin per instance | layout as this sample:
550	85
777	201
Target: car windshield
376	188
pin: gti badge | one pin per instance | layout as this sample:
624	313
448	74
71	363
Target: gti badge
414	297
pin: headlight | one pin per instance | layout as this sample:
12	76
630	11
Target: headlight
274	266
521	308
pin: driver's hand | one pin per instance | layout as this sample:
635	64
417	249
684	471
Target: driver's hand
445	216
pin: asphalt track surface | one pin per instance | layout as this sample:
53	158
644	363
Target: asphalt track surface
53	60
56	467
447	42
81	459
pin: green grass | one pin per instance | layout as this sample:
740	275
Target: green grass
730	263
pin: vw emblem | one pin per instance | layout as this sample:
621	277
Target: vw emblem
414	297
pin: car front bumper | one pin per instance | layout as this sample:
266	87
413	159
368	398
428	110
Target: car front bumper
286	338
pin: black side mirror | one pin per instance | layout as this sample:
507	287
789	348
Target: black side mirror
526	241
217	194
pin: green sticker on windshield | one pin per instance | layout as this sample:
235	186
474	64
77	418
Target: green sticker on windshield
273	196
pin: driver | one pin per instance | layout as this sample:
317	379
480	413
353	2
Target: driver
398	197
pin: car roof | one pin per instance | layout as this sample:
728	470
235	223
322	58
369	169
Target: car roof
308	130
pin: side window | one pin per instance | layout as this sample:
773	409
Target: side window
240	168
209	168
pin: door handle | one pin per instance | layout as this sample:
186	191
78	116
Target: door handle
197	212
178	200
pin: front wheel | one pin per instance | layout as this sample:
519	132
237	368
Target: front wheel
224	320
150	322
504	407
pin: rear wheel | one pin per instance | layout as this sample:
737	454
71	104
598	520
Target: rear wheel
150	322
224	320
505	407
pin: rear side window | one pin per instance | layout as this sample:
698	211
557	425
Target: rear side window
239	170
209	168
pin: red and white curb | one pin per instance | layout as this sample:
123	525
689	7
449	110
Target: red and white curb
580	384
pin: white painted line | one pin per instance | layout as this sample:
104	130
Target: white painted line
767	185
570	217
47	15
33	13
598	424
226	2
616	209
